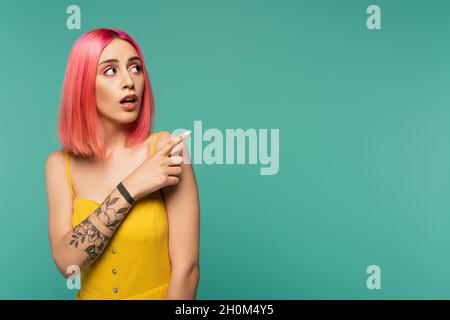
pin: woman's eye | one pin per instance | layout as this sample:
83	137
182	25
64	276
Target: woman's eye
108	73
137	68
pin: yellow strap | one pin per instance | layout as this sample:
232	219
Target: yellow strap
69	180
153	146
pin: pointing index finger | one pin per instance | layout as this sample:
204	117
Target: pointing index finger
174	140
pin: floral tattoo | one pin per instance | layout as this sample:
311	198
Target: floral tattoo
109	216
86	231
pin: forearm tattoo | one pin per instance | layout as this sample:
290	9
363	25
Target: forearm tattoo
97	241
110	216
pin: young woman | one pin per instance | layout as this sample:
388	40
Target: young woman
123	206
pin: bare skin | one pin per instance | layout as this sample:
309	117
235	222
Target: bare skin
93	179
96	179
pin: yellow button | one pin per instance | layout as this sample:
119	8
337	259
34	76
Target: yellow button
113	251
114	271
115	290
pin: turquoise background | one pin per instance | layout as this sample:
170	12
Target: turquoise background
364	123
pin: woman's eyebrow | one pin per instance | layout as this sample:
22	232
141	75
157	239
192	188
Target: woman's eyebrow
115	60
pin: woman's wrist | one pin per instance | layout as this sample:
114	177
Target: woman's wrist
125	187
125	193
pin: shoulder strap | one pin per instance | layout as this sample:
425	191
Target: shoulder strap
154	142
69	180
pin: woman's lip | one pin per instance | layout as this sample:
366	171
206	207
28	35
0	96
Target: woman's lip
129	96
129	105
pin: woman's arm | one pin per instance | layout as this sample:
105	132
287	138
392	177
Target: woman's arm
182	203
84	243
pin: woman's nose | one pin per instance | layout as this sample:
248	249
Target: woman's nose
127	81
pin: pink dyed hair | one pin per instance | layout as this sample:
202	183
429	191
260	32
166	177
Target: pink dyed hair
78	127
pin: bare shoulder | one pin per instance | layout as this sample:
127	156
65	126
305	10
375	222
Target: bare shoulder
58	191
55	175
59	197
55	161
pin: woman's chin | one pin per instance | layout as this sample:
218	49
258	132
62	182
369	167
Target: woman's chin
129	118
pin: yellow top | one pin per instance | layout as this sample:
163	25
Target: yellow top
135	263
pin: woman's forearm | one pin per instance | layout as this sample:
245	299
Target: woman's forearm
87	240
183	284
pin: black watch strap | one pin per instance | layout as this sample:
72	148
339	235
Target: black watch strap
125	193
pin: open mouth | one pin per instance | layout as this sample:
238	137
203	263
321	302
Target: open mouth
132	98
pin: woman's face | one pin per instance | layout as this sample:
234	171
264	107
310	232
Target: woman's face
119	73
